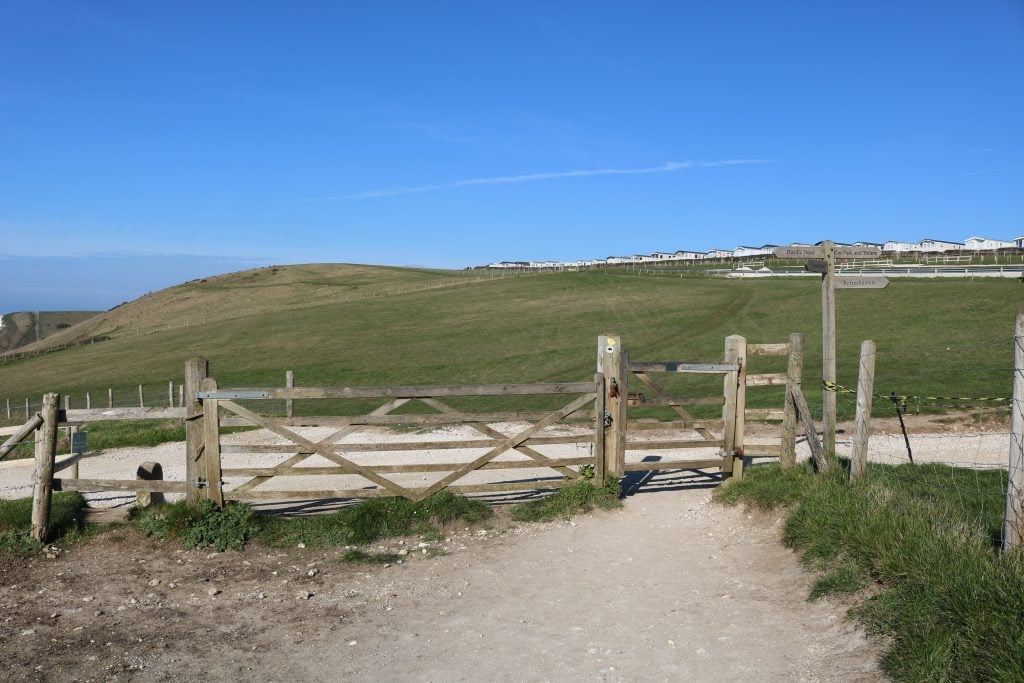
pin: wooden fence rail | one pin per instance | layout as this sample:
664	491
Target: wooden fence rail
215	400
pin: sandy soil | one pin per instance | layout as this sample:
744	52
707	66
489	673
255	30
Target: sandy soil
670	588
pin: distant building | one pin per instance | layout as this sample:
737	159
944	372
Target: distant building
929	244
986	244
899	247
683	255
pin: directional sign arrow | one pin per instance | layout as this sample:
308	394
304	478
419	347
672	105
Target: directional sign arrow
799	252
860	281
858	252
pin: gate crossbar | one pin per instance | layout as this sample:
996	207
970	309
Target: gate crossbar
499	443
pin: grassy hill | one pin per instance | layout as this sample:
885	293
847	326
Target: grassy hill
21	329
351	325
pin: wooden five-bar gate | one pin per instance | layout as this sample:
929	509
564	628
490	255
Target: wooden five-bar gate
348	452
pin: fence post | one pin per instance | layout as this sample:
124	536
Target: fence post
46	453
210	467
289	404
1013	522
88	401
26	409
8	409
612	364
170	394
794	376
196	370
865	389
731	410
142	398
828	352
67	402
110	397
599	411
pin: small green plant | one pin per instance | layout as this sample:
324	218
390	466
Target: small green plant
574	499
201	526
222	529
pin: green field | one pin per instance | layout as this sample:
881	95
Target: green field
949	337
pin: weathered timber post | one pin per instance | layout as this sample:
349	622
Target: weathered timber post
26	409
110	397
142	398
170	394
88	401
67	402
8	409
818	454
210	462
46	453
612	363
731	414
196	370
289	403
1013	521
181	395
865	387
794	376
600	467
828	349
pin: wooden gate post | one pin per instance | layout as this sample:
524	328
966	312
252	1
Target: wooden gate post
865	387
794	375
828	349
735	392
613	364
196	370
1013	521
211	467
599	411
45	454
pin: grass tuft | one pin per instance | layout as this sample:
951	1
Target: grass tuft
948	602
373	519
67	522
574	499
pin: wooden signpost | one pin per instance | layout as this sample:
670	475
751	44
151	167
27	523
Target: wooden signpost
822	259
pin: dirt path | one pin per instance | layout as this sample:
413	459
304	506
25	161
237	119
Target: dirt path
672	587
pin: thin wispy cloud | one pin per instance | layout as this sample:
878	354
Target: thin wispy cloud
667	167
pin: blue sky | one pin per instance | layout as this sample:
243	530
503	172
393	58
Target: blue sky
145	144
